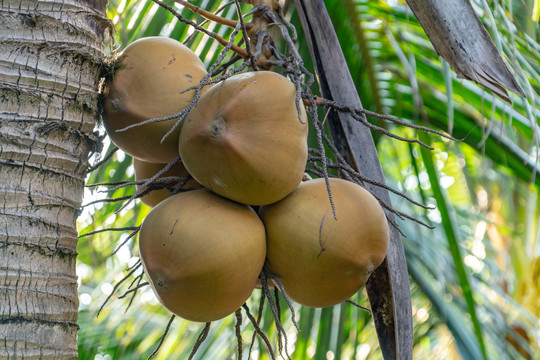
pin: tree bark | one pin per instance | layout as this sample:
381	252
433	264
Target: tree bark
50	64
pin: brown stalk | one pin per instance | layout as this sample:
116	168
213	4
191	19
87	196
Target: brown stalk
213	17
243	53
162	337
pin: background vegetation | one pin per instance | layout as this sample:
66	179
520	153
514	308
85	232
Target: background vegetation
475	278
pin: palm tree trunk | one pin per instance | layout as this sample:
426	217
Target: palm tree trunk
50	55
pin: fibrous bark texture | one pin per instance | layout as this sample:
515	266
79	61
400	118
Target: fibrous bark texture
50	55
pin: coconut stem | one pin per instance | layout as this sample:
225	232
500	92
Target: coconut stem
213	35
246	35
359	306
360	111
208	15
259	331
200	339
266	292
259	317
134	268
134	290
162	337
104	160
238	315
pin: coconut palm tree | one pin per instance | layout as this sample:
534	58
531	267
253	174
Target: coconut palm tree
474	277
50	66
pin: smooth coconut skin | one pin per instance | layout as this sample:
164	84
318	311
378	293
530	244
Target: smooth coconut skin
322	261
145	170
154	71
202	254
244	140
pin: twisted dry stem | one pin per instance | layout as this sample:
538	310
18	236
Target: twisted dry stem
273	307
197	27
134	268
127	228
401	215
133	233
245	36
259	332
148	182
278	308
320	132
200	340
259	317
104	160
361	111
162	337
358	178
106	200
134	290
277	281
138	280
359	306
238	331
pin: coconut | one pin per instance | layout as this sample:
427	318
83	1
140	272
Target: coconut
149	83
202	254
322	260
245	139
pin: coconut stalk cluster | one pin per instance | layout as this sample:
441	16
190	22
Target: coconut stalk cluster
235	202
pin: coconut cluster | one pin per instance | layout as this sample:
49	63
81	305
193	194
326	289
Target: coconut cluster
245	145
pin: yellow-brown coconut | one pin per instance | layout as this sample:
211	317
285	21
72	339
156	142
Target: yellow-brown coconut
145	170
149	83
322	261
244	139
202	254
